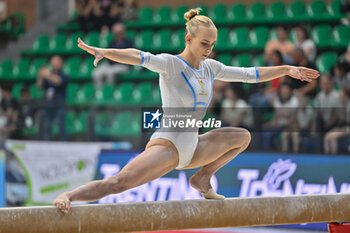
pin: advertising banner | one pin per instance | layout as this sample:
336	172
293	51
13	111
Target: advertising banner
53	167
248	175
2	178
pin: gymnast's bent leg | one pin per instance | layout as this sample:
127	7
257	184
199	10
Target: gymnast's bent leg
215	149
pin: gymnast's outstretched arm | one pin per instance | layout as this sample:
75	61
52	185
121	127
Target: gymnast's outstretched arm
126	56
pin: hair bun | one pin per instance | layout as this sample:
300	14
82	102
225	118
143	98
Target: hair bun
190	14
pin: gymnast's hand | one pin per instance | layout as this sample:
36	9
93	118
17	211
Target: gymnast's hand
62	202
303	74
97	52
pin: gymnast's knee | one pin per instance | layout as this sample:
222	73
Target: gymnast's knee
246	138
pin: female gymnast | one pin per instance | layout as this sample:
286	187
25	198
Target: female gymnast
180	88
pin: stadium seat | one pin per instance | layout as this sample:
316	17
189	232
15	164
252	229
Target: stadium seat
103	124
317	11
237	14
239	39
85	71
104	96
92	38
341	36
58	44
259	37
145	16
177	15
325	61
144	40
218	13
40	45
258	60
16	90
156	96
162	16
35	92
256	13
130	34
72	43
321	35
123	94
6	69
204	8
85	95
106	39
242	60
70	123
296	11
178	40
71	67
225	58
161	40
276	12
222	40
126	125
142	94
83	122
35	66
71	94
333	9
21	69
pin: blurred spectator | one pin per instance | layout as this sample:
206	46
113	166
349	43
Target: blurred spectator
300	125
109	13
304	42
342	129
341	78
28	110
215	105
110	69
53	107
303	88
276	60
84	10
129	11
282	44
235	111
347	55
284	106
3	12
10	108
326	107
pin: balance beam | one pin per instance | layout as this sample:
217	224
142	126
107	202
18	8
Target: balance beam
178	215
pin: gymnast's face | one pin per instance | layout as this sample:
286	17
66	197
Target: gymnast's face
203	42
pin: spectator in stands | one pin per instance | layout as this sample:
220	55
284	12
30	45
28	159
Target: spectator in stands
84	9
3	12
284	106
304	42
303	88
109	13
276	60
300	125
342	129
10	108
326	108
282	44
28	110
341	75
129	11
236	111
111	69
53	106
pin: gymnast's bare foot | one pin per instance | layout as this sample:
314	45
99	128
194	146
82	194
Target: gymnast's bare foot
201	182
62	202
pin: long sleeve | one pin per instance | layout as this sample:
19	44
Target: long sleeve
234	74
157	63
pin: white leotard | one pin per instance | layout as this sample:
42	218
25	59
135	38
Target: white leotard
180	88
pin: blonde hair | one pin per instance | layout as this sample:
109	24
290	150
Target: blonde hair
194	20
